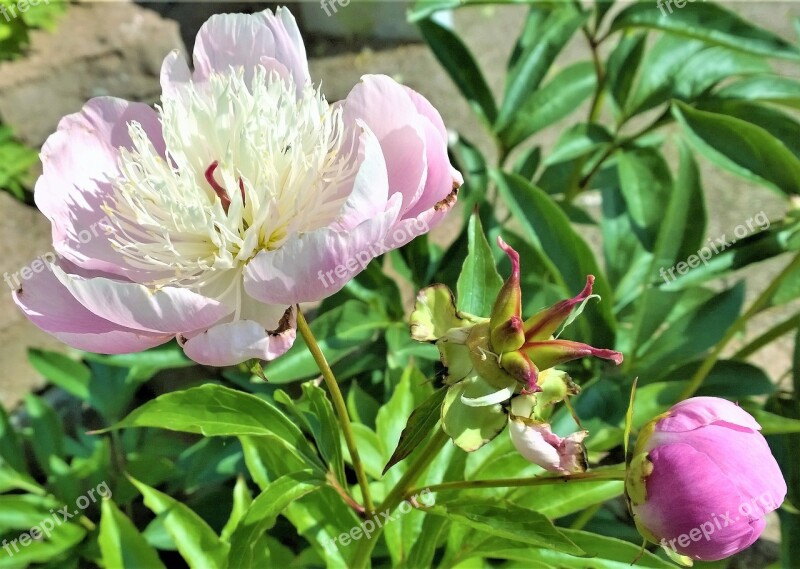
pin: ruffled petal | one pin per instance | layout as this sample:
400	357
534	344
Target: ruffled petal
242	40
79	161
390	114
698	412
168	310
51	307
315	265
370	190
538	444
235	342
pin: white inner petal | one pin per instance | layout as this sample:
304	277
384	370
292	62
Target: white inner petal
247	165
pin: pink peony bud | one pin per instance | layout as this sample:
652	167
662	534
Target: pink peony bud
702	479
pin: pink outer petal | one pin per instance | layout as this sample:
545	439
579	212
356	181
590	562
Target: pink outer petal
390	114
315	265
241	40
700	411
168	310
370	188
539	445
49	306
79	160
441	176
741	454
236	342
407	229
174	73
706	498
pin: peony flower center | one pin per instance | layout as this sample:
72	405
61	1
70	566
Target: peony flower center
248	163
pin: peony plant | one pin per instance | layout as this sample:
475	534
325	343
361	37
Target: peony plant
187	236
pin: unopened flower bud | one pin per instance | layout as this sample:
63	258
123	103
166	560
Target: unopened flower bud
702	479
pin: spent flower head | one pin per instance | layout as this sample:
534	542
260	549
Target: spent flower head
490	360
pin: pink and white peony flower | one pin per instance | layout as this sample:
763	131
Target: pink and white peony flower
243	193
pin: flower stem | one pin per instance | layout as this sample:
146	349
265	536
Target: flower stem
339	405
761	302
617	473
423	459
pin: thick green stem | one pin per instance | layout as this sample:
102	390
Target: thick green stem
609	474
339	405
423	459
760	303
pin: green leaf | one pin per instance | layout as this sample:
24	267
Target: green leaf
657	73
622	66
690	335
684	223
479	282
741	147
420	424
18	514
361	405
199	546
770	240
462	68
556	501
577	141
780	125
472	164
712	65
508	521
646	185
534	58
166	356
340	332
327	433
556	100
424	549
602	552
11	479
66	373
728	378
528	162
263	512
765	88
771	423
213	410
371	449
10	450
710	23
242	499
47	438
391	419
121	544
